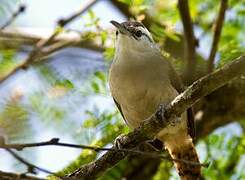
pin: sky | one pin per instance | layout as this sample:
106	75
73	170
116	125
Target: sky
44	14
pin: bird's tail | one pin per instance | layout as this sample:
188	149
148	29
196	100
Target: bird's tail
183	148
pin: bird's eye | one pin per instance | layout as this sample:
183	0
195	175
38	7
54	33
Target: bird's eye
138	33
117	33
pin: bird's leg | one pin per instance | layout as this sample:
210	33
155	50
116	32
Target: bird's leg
160	113
156	143
118	141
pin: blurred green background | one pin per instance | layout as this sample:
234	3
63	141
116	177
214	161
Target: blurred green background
67	95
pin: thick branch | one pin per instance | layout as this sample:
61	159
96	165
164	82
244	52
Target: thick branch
217	33
157	122
223	106
190	40
206	85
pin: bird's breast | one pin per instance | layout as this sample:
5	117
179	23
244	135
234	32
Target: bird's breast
140	90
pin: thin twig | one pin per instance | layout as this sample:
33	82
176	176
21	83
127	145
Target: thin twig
55	142
30	167
56	47
37	50
217	32
15	14
65	21
190	40
89	4
34	55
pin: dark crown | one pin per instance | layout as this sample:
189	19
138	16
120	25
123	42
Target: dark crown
128	24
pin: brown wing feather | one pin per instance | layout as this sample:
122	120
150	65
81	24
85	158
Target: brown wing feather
178	85
156	143
120	109
191	123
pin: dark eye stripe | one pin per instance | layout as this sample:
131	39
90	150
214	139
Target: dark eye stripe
144	34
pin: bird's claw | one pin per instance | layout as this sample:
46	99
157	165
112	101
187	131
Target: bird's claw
118	141
160	114
156	144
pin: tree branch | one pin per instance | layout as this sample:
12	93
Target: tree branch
55	142
123	7
190	40
223	106
13	38
217	33
31	168
212	112
37	50
157	122
15	14
62	22
11	176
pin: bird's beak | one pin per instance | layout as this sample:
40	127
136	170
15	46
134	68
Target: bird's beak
120	27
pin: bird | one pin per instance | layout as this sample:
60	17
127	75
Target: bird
141	79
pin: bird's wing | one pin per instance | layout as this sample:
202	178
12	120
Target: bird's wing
178	85
120	109
156	143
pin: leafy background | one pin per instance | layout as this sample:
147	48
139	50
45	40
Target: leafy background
67	96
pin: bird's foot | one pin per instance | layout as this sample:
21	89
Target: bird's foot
160	114
118	142
156	144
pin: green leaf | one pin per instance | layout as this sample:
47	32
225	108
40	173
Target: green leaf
66	83
95	87
100	75
109	53
103	36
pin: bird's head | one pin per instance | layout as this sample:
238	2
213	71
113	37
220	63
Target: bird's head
133	35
